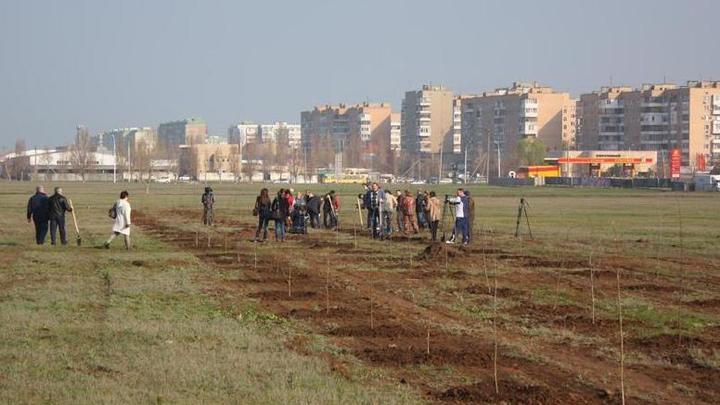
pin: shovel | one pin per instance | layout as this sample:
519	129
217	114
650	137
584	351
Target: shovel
77	230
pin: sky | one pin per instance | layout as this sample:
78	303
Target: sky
111	64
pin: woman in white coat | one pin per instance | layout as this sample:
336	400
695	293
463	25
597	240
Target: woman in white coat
122	220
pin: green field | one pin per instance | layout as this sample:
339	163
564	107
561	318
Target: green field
168	323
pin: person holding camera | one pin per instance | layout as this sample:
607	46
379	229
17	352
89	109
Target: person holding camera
459	202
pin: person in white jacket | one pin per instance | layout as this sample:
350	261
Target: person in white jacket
122	220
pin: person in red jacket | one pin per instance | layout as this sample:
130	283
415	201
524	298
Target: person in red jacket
409	220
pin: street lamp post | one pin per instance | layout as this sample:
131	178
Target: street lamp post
114	160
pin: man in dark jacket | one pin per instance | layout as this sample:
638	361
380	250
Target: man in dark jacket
373	203
208	201
38	212
313	207
58	207
331	205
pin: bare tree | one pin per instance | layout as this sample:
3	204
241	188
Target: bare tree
236	161
143	160
81	153
249	168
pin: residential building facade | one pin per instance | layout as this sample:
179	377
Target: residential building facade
361	133
655	117
427	121
494	122
189	131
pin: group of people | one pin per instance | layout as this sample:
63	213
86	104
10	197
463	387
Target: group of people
294	211
415	213
49	213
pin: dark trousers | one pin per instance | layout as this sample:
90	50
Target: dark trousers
387	218
329	220
58	224
433	230
280	229
41	230
374	222
314	219
461	229
208	216
263	223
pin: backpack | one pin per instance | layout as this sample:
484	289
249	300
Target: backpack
112	212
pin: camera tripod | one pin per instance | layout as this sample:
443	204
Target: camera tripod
522	211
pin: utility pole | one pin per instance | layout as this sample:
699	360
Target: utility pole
498	157
465	167
487	169
440	168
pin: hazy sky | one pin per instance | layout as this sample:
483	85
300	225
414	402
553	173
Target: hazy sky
110	64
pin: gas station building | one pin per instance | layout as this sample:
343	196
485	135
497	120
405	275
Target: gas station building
594	163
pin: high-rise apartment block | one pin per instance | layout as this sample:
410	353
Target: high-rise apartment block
505	116
244	133
428	120
289	134
395	133
125	140
658	117
189	131
248	133
361	132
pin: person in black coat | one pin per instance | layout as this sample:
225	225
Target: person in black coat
280	211
38	211
313	207
58	207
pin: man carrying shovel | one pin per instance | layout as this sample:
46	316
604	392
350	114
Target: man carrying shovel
58	207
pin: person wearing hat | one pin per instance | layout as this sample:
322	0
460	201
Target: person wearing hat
208	200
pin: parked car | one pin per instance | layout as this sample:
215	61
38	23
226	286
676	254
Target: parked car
281	181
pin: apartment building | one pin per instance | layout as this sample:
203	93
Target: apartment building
503	117
657	117
189	131
244	133
428	120
128	140
288	133
395	133
361	133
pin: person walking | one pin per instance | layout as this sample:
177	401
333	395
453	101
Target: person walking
38	212
263	210
122	221
208	201
433	215
280	211
58	206
410	219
